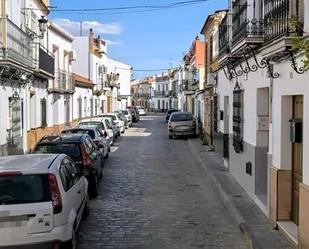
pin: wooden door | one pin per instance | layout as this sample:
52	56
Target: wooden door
297	160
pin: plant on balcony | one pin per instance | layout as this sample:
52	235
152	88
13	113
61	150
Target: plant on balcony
303	46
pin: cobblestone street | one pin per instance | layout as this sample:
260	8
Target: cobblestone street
155	194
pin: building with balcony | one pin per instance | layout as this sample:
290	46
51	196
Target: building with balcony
191	77
210	31
26	66
91	63
160	99
142	92
119	75
261	89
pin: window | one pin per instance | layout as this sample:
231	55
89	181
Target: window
79	106
43	113
21	189
238	120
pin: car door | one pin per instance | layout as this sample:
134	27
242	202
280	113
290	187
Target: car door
78	187
94	155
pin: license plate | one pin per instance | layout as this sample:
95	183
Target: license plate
182	128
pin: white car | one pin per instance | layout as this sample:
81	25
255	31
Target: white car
128	115
119	122
42	200
142	112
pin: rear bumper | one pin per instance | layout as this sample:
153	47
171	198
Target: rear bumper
182	133
59	235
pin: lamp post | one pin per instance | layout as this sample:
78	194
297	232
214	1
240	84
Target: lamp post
42	27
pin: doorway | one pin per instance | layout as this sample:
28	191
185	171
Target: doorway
15	139
297	160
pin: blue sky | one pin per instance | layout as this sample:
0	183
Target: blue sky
148	40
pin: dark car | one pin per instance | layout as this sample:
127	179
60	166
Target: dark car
97	136
83	151
168	114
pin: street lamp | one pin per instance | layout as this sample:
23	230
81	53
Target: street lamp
43	28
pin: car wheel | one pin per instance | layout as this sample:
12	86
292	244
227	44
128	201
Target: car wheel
170	136
72	244
94	186
107	154
86	211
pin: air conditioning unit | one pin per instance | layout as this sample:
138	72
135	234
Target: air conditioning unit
211	79
72	55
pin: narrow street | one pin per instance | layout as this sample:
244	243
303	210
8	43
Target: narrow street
154	194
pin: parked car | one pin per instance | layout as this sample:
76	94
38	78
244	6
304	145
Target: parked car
168	114
181	124
135	116
142	112
128	115
102	125
42	201
113	126
120	122
114	119
97	136
123	118
81	149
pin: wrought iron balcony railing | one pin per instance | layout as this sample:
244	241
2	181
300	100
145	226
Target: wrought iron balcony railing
283	18
159	93
248	29
15	43
63	82
44	60
223	36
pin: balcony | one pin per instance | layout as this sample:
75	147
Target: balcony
143	95
63	82
159	93
223	36
102	81
44	61
283	18
248	31
15	45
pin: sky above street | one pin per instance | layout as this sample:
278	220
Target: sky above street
146	40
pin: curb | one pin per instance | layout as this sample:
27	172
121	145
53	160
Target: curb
228	204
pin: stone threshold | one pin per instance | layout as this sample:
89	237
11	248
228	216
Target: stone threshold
290	230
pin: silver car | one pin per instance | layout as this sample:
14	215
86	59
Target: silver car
181	124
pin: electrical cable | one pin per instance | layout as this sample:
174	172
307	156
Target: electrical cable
121	10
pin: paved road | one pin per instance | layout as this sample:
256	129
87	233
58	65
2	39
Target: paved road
155	195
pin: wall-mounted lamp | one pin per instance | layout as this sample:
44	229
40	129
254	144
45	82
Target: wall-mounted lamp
43	28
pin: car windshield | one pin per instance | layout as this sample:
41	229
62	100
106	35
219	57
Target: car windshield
125	112
91	133
98	124
72	150
110	116
21	189
182	117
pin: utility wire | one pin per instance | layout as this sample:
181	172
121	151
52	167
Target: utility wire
124	9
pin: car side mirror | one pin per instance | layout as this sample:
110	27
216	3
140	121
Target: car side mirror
100	146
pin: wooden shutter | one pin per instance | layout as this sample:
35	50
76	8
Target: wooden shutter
238	120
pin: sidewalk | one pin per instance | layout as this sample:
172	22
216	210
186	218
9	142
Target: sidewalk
245	213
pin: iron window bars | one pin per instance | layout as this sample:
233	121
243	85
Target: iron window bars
238	120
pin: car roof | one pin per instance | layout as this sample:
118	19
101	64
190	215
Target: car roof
82	128
175	113
97	119
63	138
30	163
